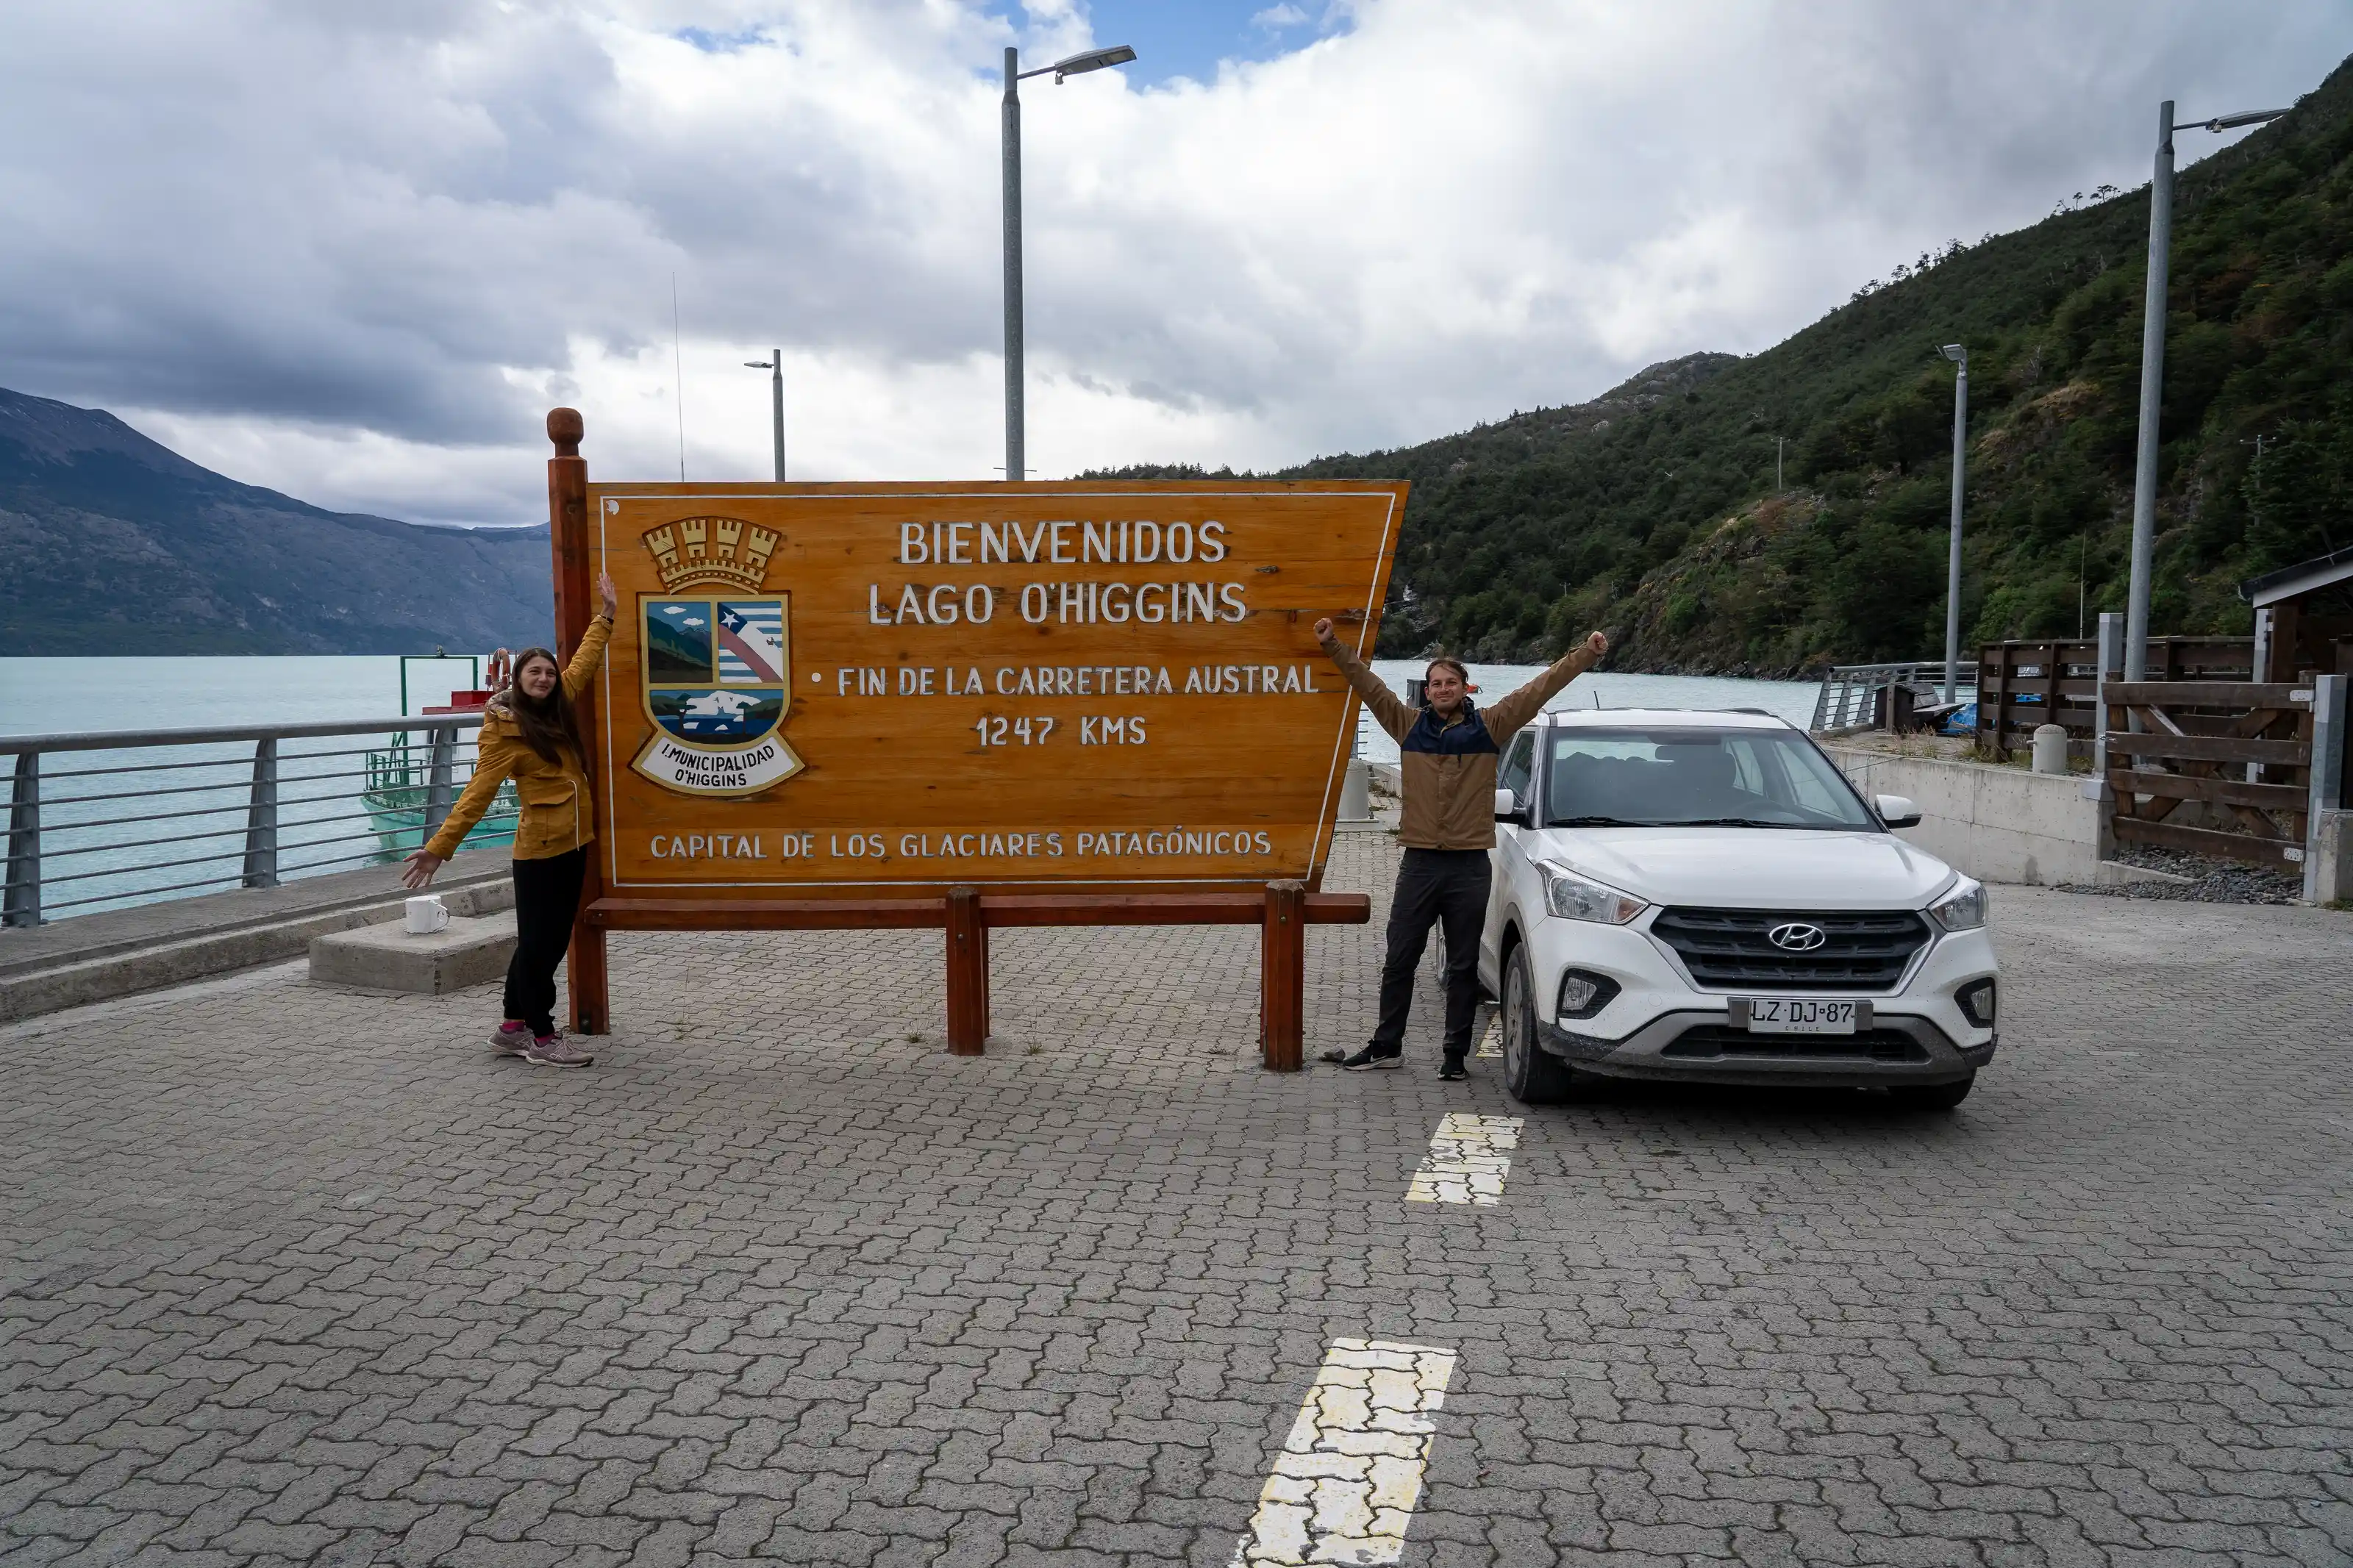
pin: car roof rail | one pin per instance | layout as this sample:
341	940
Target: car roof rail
1760	712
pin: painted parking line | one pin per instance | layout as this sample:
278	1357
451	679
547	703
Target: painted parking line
1468	1160
1491	1044
1345	1486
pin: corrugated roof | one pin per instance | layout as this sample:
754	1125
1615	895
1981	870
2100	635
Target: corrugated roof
2289	582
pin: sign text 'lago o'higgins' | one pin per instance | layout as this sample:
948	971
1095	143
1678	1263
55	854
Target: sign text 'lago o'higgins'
816	688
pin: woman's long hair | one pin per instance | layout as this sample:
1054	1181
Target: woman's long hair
549	723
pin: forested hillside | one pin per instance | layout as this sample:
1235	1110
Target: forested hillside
1654	512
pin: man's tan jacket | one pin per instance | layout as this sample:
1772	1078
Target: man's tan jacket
1449	769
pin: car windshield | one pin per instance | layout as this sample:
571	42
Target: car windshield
1688	776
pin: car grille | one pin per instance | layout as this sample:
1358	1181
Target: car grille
1729	949
1709	1041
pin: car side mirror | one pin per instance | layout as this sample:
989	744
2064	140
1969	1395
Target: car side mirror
1509	809
1897	811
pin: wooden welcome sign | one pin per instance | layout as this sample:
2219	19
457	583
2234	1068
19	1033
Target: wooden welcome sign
968	705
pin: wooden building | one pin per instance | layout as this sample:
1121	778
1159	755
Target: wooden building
2304	619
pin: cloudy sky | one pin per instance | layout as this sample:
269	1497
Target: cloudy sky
355	252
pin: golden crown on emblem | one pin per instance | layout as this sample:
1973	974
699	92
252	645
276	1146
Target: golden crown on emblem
725	551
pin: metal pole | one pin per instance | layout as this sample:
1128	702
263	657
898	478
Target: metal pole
1014	468
261	817
776	386
1953	562
20	900
2327	792
440	789
2152	397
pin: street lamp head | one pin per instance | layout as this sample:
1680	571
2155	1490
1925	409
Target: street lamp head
1091	61
2222	122
759	364
1956	353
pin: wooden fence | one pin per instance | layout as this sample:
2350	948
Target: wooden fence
2021	685
2241	748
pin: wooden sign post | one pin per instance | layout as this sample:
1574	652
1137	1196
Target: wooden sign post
963	706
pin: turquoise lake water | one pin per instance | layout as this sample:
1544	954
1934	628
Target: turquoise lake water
343	801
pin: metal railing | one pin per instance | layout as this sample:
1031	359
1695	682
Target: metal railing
1850	695
112	818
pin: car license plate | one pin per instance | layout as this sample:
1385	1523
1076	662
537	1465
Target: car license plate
1801	1016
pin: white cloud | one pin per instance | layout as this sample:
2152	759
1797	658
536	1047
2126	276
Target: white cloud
355	254
1275	18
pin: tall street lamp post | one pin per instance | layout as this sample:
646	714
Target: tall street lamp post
2152	369
1960	358
1071	65
776	363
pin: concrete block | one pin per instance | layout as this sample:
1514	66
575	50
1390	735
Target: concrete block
467	951
2117	874
2329	859
1996	823
1356	792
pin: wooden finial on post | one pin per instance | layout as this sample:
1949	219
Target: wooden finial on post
564	428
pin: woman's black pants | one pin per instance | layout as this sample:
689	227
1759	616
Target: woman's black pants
547	895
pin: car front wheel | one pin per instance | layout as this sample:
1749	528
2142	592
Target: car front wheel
1533	1074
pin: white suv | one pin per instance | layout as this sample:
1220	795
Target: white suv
1702	896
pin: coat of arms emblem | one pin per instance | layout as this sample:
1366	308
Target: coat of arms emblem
715	665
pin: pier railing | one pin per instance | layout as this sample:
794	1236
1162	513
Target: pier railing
108	818
1855	695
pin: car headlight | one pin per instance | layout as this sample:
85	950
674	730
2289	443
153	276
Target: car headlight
1575	899
1963	909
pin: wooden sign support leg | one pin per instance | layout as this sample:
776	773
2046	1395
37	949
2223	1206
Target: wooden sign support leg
967	974
1282	976
576	592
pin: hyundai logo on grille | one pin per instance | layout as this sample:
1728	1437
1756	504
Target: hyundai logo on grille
1796	936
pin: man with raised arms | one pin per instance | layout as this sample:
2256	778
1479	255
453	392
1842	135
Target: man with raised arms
1447	756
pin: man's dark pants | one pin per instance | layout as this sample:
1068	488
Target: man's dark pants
1433	885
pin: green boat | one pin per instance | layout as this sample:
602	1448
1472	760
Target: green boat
400	779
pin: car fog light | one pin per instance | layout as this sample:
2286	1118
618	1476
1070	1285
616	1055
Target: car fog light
1582	994
1976	1003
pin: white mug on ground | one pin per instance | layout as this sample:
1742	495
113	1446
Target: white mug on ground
425	915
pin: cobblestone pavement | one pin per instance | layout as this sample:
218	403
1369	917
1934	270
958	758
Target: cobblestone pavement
293	1275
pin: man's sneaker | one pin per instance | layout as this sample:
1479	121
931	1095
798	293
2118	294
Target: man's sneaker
1371	1059
1452	1068
555	1051
512	1040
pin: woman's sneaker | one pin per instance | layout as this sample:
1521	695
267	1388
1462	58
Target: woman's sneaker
555	1051
512	1040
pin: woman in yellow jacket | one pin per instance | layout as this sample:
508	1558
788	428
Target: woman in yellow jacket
531	734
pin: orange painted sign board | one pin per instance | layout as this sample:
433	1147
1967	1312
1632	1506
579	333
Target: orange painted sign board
857	690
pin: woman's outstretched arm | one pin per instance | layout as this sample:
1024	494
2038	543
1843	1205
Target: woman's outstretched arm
494	761
591	651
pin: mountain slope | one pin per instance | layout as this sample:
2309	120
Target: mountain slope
1653	510
115	544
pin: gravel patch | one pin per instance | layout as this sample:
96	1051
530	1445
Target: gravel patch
2211	881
